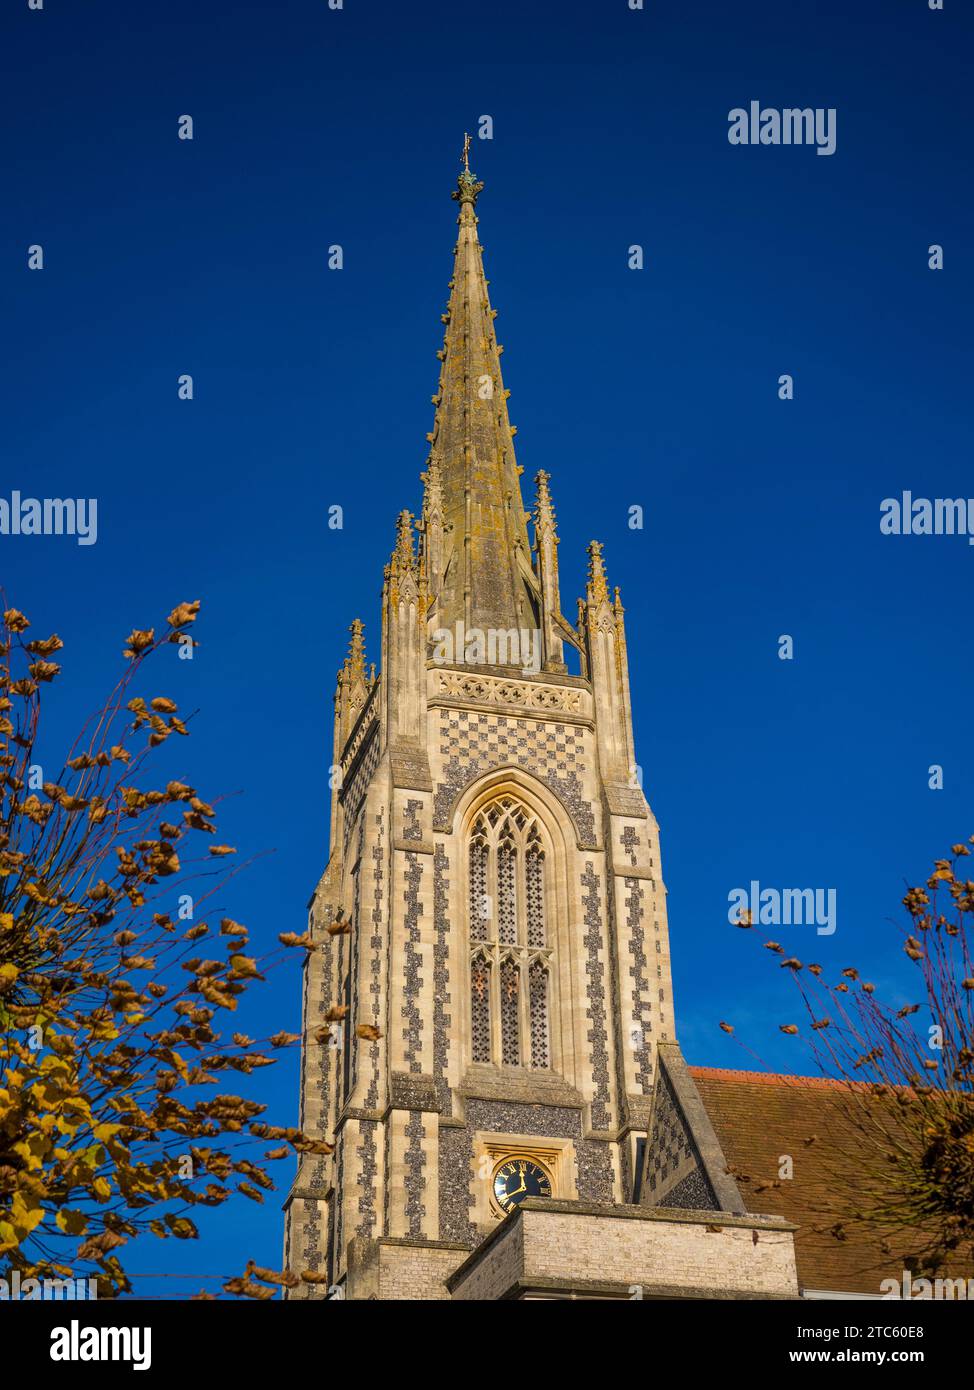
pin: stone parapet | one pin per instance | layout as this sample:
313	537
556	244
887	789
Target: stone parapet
552	1249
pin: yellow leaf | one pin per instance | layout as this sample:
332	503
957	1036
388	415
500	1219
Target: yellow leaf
25	1218
73	1223
102	1189
32	1150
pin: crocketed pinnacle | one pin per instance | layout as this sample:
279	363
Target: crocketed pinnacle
355	661
544	510
597	587
404	554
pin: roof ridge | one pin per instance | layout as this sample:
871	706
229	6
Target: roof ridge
770	1078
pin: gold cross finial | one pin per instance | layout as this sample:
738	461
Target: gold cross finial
466	152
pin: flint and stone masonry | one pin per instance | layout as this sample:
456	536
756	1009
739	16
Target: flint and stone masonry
491	925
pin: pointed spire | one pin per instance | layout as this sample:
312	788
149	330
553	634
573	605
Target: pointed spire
485	551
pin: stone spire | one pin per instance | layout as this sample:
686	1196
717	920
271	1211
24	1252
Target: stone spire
480	542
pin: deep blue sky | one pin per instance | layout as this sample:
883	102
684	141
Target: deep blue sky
659	388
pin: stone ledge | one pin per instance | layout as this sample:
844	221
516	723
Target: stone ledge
582	1250
308	1194
595	1289
410	769
638	1114
413	1091
351	1112
625	801
531	1088
751	1221
412	1243
627	871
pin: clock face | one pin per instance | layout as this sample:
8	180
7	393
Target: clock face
517	1178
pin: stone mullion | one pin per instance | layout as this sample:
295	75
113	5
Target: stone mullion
523	984
493	946
496	1025
518	959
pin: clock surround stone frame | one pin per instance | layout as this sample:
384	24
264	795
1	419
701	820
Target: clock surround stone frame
556	1156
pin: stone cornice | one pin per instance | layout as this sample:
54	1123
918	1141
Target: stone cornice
566	698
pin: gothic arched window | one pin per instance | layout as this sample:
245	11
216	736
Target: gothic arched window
510	956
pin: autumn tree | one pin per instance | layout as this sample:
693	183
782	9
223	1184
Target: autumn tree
906	1078
113	1116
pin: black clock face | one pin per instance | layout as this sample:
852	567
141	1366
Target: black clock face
517	1178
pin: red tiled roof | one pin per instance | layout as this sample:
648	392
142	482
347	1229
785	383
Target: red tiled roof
759	1118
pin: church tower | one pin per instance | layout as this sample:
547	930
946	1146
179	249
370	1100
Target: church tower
489	1033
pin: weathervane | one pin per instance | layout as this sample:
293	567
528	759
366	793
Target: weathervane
468	185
